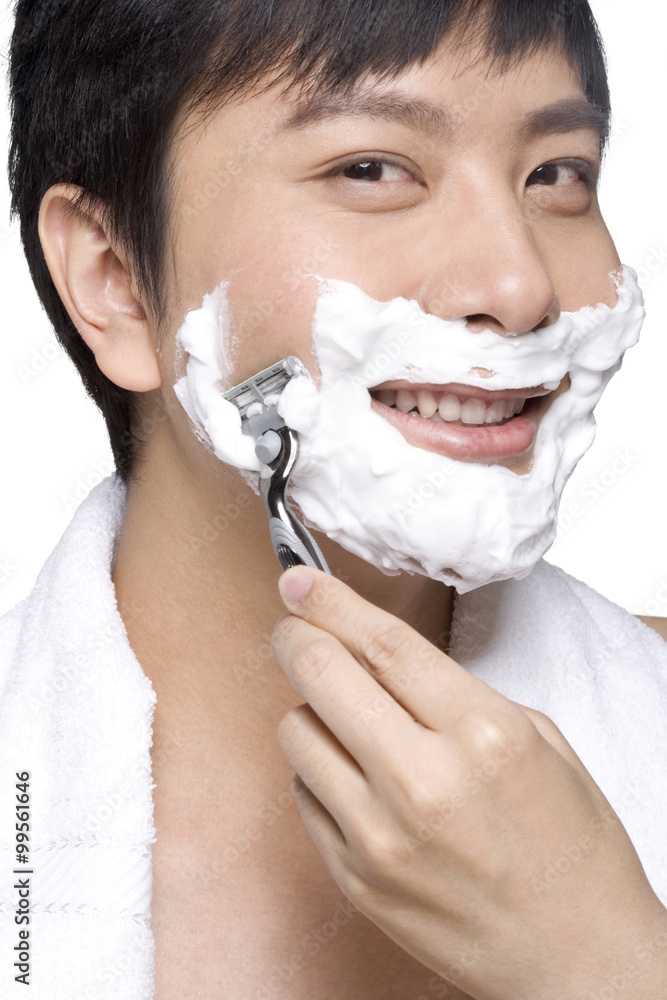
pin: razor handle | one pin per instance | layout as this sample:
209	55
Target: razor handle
292	543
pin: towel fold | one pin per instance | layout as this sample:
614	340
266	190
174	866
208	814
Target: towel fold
76	711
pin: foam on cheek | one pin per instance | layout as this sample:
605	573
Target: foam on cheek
207	339
359	481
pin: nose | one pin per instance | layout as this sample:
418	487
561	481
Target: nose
490	272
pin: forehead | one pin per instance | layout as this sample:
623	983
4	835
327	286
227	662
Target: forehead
454	92
542	93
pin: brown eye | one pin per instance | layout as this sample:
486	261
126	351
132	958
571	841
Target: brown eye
558	174
371	171
374	170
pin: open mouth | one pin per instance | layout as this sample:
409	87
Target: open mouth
449	408
463	422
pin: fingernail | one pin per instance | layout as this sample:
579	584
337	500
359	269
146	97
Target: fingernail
294	585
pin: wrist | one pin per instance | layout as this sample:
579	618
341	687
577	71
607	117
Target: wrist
634	965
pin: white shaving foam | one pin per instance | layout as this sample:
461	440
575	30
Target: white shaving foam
207	339
399	507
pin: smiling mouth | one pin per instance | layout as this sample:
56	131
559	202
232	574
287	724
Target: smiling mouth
464	422
445	406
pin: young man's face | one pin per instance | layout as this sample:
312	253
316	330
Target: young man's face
453	211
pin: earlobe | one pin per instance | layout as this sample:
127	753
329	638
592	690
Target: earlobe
96	287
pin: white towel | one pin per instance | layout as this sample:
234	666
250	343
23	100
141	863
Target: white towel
551	643
76	711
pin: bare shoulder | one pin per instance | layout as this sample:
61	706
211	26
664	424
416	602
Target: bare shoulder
659	625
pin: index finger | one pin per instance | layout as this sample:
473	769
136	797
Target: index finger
430	685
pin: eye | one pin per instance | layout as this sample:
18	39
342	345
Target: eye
562	174
374	170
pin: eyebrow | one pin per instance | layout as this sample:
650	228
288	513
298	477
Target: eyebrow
418	115
563	116
567	115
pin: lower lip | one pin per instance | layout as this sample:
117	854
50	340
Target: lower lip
474	443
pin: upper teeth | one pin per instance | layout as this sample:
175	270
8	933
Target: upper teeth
450	409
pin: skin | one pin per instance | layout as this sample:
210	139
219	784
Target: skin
485	242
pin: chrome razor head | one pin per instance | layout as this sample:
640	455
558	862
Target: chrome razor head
257	398
277	448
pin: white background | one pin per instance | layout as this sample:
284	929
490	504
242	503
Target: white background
53	444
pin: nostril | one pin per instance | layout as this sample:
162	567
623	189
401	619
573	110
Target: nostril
482	321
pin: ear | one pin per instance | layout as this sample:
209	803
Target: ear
98	291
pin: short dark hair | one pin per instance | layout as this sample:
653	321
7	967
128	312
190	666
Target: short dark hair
96	88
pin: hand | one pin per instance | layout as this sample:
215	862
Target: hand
439	805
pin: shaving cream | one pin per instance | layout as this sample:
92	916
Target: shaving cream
357	479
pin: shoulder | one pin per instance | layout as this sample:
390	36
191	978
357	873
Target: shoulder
590	611
73	597
658	625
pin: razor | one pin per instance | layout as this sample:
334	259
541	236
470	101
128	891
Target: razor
277	448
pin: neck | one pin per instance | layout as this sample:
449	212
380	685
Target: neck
197	585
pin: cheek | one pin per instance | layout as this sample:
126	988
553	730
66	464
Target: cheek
580	259
271	298
271	311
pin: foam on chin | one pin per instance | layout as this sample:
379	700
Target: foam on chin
396	506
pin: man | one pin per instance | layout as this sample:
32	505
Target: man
156	154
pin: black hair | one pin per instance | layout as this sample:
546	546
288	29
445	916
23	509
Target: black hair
97	87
